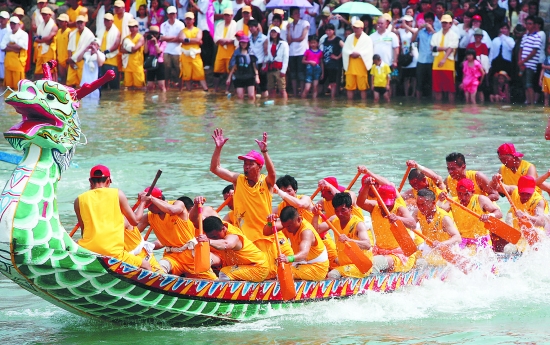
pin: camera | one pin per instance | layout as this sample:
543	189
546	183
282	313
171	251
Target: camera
148	36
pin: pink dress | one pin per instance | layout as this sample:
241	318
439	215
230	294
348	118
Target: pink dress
470	81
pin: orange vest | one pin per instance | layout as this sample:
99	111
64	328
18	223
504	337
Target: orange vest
434	230
349	230
317	247
252	205
249	254
306	214
172	231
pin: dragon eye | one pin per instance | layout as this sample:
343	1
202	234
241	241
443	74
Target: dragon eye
50	97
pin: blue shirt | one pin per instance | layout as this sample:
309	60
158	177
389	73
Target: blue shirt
424	48
547	63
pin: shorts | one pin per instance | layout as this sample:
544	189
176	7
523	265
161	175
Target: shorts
424	78
12	78
314	272
75	75
244	83
134	78
184	263
351	271
380	90
274	78
443	81
296	69
536	86
357	82
313	73
221	66
331	250
528	78
331	75
157	74
546	84
113	84
269	248
191	68
251	273
408	72
263	78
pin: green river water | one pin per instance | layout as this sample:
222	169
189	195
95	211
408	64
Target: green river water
136	133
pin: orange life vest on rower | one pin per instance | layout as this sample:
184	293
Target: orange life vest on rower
468	225
350	230
434	230
249	254
529	207
381	227
317	246
172	231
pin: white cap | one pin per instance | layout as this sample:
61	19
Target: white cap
276	29
5	15
15	20
171	9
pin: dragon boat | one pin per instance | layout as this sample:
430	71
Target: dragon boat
39	255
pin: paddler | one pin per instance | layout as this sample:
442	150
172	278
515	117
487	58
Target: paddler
252	198
329	188
310	261
436	224
388	255
287	188
473	232
365	192
136	245
351	228
100	212
227	192
421	177
240	258
175	232
456	166
530	205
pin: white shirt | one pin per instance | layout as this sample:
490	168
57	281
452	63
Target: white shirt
542	49
257	47
21	38
258	3
183	9
201	17
172	48
3	32
507	44
295	31
384	45
407	46
237	7
312	13
486	39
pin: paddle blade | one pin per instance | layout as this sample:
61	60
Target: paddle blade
202	257
530	234
286	281
502	230
358	257
403	238
458	260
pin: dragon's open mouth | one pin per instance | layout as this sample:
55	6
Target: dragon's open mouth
34	118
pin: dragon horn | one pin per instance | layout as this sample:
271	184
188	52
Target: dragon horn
86	89
47	69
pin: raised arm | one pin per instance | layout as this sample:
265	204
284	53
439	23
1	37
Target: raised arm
271	173
133	218
304	202
428	173
485	185
215	166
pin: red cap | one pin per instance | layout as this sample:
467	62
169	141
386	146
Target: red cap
334	182
100	171
476	17
413	2
526	184
240	33
388	194
156	192
466	183
253	156
508	149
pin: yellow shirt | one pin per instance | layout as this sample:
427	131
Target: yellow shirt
349	230
470	174
62	41
529	207
74	13
356	66
449	64
468	225
132	239
511	178
329	209
231	217
108	61
191	34
103	221
434	230
306	214
382	231
118	22
245	29
252	205
225	51
380	74
316	248
135	60
172	231
249	254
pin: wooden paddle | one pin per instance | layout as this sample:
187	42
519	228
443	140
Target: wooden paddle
315	193
159	172
284	273
399	230
353	181
352	250
225	203
404	179
526	227
494	225
202	249
458	260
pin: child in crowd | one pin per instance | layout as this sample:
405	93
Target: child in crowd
473	75
545	77
501	90
313	59
524	12
380	78
142	19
